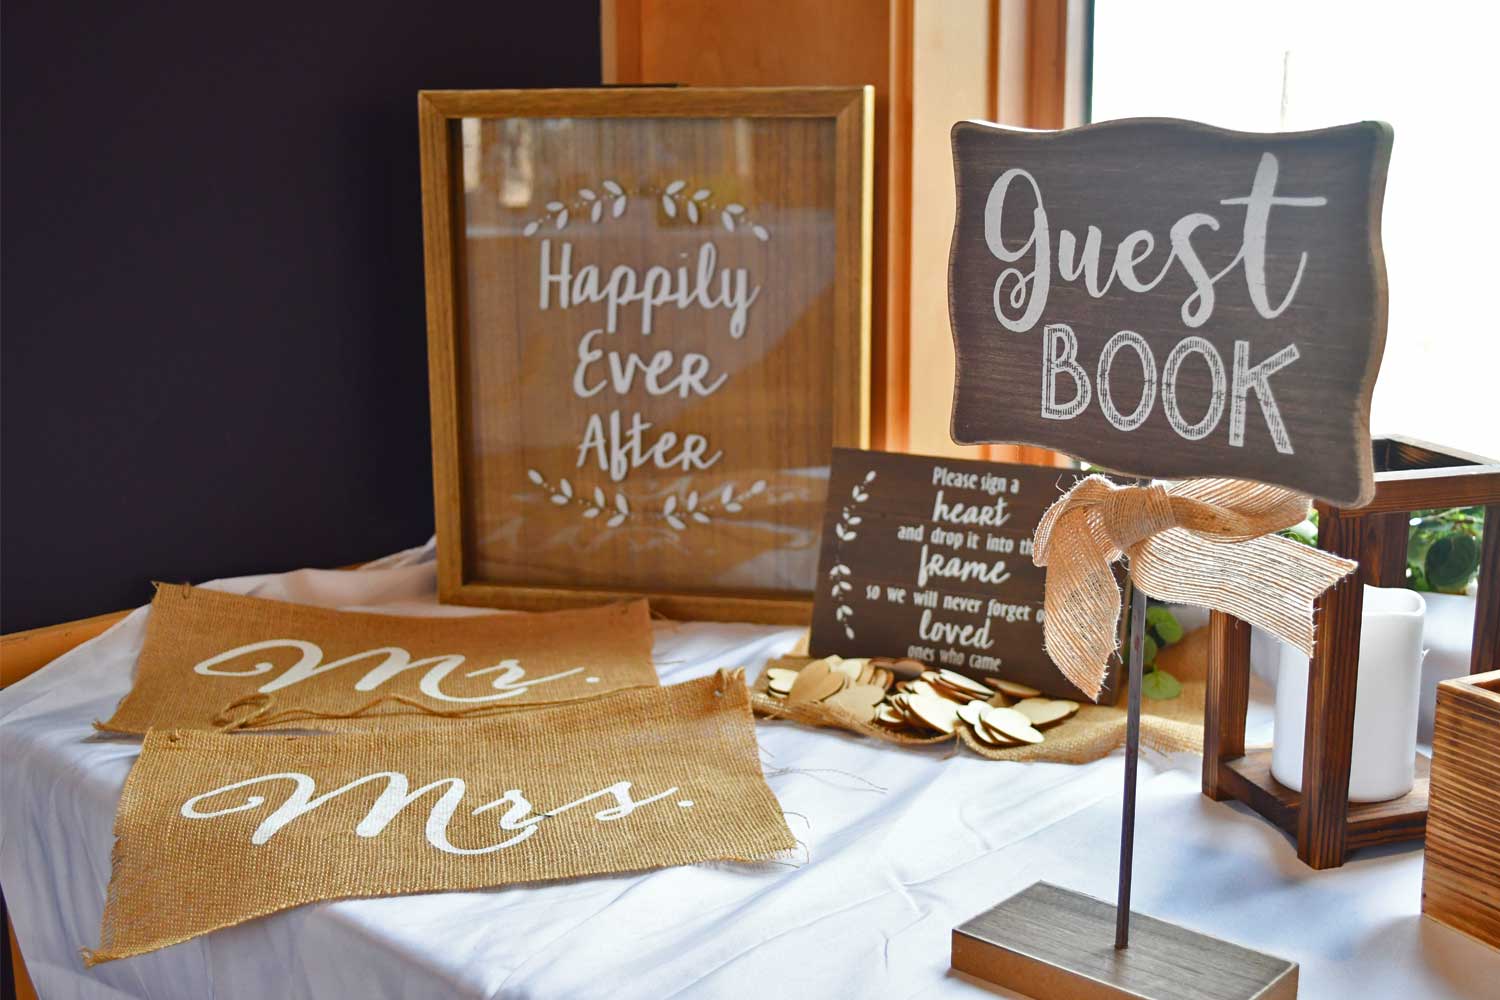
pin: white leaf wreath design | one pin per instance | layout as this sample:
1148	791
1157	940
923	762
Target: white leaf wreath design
838	574
679	513
697	206
586	203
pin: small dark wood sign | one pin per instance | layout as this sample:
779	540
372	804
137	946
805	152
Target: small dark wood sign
1169	299
930	558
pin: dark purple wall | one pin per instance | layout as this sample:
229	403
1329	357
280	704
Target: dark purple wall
212	318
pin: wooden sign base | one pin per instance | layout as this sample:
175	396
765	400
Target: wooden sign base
1049	942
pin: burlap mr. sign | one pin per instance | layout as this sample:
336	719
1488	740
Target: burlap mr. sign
213	660
218	828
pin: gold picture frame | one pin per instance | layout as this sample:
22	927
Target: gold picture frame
648	325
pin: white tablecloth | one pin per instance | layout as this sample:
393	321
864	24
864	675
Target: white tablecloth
889	870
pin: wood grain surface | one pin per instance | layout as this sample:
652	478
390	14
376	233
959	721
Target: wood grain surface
1249	780
1484	653
648	320
1169	299
1227	699
1461	871
1331	683
931	64
1410	475
930	558
1053	943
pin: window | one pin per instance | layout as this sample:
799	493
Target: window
1282	65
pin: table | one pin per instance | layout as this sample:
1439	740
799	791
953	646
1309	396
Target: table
899	845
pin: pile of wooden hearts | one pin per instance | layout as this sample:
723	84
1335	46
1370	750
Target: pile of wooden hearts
856	686
922	701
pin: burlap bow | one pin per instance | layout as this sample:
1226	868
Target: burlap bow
1201	541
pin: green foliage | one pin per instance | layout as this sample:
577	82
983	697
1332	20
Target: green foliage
1159	685
1162	623
1442	549
1306	531
1452	561
1162	629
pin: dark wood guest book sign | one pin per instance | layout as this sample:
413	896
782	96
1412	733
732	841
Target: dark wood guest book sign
1173	301
1170	299
930	558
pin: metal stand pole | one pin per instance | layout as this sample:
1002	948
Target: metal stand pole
1132	754
1043	941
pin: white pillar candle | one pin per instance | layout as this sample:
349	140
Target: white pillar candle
1385	702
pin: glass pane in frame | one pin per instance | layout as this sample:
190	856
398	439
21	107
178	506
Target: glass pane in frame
646	324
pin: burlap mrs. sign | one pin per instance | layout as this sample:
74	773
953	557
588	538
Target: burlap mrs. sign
218	828
213	660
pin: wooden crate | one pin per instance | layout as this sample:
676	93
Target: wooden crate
1461	875
1409	475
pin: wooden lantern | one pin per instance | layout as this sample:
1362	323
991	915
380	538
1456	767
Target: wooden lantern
1410	475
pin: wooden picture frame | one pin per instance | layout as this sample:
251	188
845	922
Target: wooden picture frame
614	179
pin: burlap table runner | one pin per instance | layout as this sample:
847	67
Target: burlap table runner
1096	731
213	660
217	828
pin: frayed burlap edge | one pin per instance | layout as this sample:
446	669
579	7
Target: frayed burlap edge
726	681
256	713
